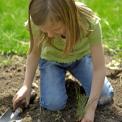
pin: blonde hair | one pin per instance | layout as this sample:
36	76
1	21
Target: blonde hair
65	11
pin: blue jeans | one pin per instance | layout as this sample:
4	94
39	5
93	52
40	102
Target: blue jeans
52	85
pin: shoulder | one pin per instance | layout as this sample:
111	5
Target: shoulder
79	3
83	7
87	12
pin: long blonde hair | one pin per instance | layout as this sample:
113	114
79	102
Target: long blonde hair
65	11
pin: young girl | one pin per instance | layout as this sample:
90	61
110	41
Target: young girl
65	36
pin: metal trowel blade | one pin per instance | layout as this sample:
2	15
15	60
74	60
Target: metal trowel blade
6	117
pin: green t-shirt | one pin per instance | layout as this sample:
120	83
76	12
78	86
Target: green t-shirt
81	48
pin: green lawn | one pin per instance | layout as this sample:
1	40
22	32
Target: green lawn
14	37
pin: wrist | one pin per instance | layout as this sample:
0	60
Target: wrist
27	85
92	104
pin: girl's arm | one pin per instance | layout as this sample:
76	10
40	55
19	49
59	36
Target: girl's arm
31	64
99	72
24	92
33	57
97	81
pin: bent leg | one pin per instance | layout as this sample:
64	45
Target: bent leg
83	71
52	86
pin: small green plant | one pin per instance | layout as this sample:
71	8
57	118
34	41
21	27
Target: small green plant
81	104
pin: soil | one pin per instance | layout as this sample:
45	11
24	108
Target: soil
11	78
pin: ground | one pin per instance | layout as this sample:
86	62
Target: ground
11	78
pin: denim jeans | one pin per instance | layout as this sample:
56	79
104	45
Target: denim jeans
52	81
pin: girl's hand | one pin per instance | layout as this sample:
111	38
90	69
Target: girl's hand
22	96
89	115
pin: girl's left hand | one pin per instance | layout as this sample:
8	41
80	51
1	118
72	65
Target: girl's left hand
89	116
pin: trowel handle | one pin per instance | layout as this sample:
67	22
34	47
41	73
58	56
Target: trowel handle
33	96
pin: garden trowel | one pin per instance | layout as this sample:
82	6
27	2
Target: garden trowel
10	116
14	116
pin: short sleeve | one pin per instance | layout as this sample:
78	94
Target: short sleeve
96	34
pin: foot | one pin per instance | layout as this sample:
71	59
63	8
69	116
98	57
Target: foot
105	100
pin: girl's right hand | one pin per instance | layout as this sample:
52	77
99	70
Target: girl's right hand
22	96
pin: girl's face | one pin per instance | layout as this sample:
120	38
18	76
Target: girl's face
54	29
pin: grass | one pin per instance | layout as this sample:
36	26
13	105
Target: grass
14	37
81	105
4	61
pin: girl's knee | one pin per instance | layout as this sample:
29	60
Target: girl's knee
54	104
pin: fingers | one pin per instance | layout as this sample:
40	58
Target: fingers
17	101
14	98
27	101
20	101
21	98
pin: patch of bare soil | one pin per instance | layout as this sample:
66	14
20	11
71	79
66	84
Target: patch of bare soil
11	78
